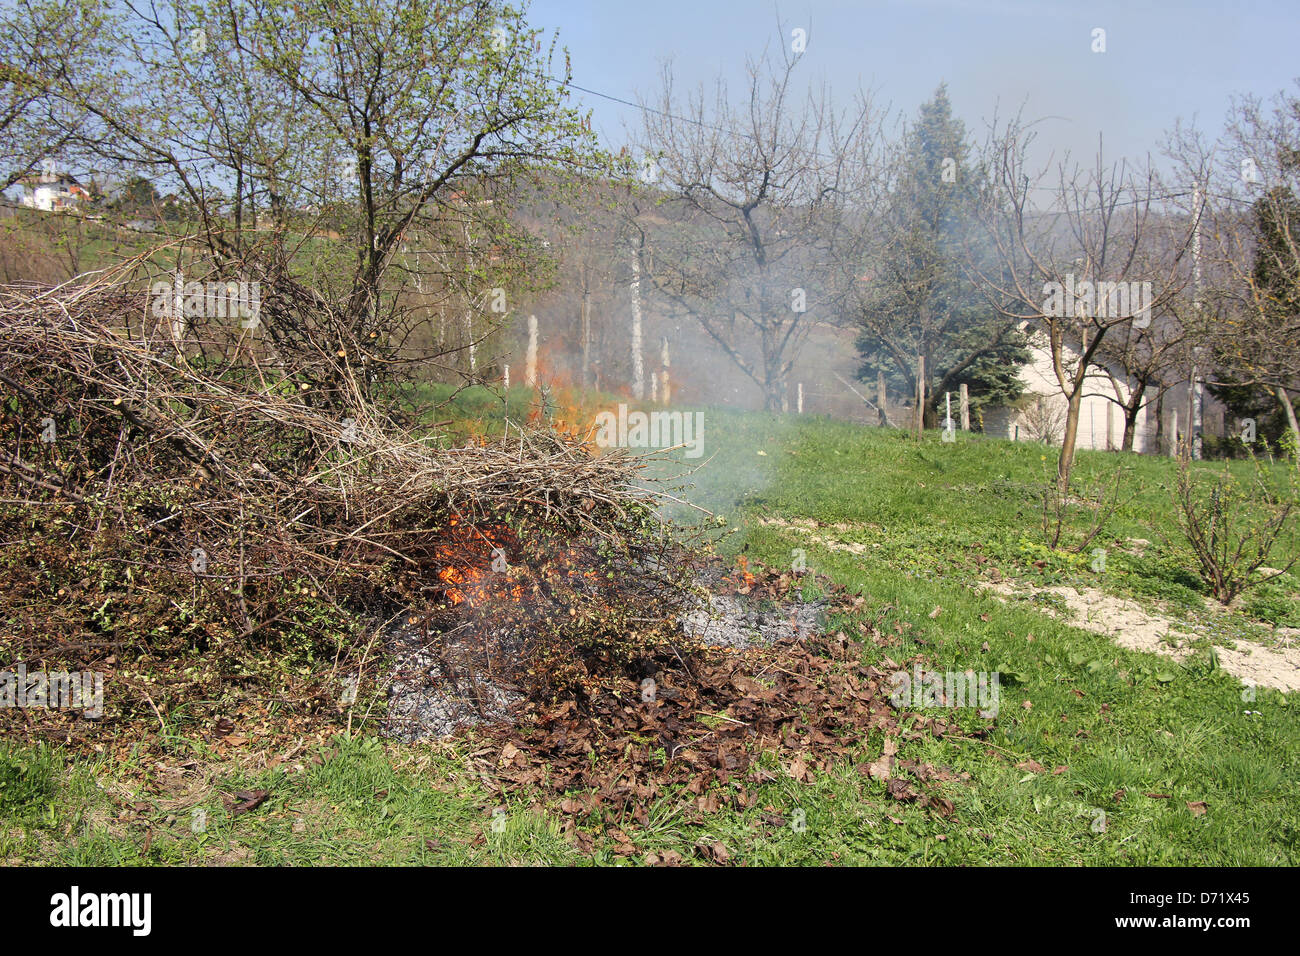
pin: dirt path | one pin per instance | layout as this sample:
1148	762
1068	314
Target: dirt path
1127	622
1136	628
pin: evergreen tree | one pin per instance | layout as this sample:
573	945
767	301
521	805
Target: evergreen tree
1276	280
917	300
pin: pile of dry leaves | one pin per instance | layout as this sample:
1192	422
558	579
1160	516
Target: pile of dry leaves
705	727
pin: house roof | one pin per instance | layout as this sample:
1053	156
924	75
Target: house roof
50	179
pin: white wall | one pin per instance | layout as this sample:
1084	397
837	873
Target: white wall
1040	379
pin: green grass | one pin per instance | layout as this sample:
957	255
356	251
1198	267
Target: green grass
1109	726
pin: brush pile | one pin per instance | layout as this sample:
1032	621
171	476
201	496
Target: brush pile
196	520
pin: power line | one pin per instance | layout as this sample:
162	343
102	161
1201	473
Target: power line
733	132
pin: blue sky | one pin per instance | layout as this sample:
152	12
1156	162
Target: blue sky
1164	59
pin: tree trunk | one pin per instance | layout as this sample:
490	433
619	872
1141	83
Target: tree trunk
920	395
1289	410
638	363
1066	462
1131	415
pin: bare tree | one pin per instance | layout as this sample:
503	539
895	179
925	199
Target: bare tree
1085	265
753	191
1249	320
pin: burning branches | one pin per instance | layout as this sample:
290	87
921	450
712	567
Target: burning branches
176	503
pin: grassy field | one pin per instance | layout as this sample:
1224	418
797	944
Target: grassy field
1099	755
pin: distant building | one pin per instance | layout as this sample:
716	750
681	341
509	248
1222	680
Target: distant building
54	192
1040	413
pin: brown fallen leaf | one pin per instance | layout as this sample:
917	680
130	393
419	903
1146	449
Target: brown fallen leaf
714	851
1158	796
936	612
1033	766
881	768
899	789
246	800
943	806
1197	807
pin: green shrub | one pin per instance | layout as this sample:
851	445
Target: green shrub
1232	525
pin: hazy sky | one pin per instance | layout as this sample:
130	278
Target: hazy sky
1164	59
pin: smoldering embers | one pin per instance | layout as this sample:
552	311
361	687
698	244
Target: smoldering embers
651	430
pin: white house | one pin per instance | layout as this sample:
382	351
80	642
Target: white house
54	192
1041	413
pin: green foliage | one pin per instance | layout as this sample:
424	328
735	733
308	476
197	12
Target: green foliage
1273	603
27	780
1276	281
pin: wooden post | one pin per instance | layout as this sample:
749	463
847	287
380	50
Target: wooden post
881	401
586	335
800	405
530	365
920	395
664	361
965	408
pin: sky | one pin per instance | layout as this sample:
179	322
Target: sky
1163	60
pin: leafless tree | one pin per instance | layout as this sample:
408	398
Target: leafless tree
753	190
1249	316
1083	263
